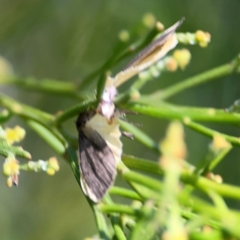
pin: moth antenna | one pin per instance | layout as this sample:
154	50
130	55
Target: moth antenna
127	112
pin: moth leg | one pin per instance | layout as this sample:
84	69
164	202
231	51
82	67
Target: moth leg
128	135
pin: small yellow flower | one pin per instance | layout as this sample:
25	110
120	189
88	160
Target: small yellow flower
53	166
210	175
174	145
14	134
219	142
9	182
203	38
149	20
50	171
183	57
218	179
207	229
180	234
135	94
53	163
160	27
171	64
11	166
124	36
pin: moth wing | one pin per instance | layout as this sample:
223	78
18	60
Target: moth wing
97	164
149	55
158	47
109	131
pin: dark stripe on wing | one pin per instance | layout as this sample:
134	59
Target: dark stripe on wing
97	163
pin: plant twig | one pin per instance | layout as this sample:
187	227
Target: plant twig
215	73
125	193
210	133
171	111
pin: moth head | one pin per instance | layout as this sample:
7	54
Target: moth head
106	106
84	117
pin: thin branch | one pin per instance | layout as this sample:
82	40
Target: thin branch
171	111
215	73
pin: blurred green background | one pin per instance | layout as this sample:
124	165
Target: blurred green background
66	40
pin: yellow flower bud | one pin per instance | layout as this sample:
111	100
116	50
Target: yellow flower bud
124	36
14	134
9	182
203	38
219	142
218	179
11	167
50	171
171	64
53	163
174	145
160	27
135	94
149	20
182	57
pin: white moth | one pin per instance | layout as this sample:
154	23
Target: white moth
100	148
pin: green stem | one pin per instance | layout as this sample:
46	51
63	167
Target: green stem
212	158
215	73
23	110
218	201
73	111
61	88
193	202
140	136
204	184
71	157
28	113
211	133
48	137
142	164
101	223
142	180
171	111
186	176
6	149
117	228
218	158
124	193
143	191
210	213
189	215
117	208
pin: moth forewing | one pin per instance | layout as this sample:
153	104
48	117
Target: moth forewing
149	55
158	47
109	131
100	150
158	53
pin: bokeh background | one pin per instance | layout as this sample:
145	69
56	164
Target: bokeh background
66	40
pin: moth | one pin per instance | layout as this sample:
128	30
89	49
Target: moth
100	147
100	150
